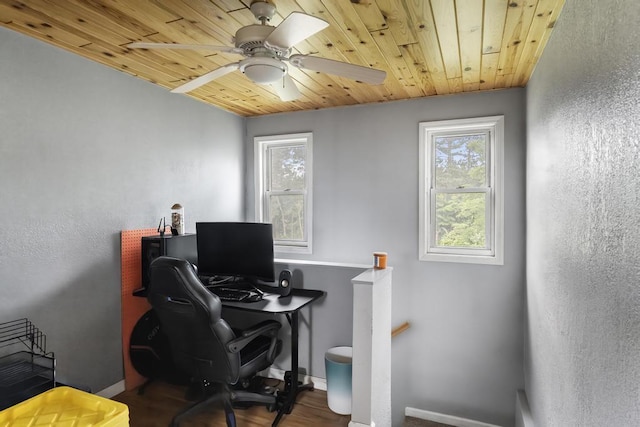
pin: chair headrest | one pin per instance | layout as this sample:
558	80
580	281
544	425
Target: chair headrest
176	279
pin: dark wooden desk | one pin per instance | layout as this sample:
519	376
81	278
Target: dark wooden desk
290	306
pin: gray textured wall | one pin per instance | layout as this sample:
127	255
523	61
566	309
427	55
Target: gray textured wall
583	208
85	152
463	353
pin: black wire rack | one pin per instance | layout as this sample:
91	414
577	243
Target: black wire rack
26	368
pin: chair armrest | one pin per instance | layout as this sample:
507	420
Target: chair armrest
268	327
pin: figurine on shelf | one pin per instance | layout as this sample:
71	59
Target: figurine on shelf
177	219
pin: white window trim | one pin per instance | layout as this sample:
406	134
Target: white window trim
261	143
427	250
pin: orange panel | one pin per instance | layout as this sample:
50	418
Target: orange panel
132	307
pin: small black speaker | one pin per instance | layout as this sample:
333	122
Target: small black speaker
284	283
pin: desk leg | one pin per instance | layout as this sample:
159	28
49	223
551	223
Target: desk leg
292	386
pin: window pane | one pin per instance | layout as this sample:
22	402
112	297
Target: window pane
460	161
287	167
287	216
460	220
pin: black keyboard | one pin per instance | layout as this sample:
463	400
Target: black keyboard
235	295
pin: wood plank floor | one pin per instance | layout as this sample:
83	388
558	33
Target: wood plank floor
161	401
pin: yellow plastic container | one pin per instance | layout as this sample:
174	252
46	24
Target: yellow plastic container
66	407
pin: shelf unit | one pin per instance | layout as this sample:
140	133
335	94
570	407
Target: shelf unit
26	368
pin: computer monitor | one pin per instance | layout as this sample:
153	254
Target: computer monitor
240	249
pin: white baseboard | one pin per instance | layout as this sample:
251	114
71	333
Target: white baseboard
112	390
318	383
444	418
523	412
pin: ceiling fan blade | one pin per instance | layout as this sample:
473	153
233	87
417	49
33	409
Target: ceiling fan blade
286	89
295	28
342	69
143	45
206	78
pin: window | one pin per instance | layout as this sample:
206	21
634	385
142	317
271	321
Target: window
461	168
283	189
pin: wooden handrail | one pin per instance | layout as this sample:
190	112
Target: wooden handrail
400	329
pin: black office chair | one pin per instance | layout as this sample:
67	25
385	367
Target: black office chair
203	345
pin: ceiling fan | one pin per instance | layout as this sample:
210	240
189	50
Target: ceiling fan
267	50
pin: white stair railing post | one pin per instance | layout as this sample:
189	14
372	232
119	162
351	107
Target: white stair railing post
371	375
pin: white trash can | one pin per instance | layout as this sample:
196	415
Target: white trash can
338	364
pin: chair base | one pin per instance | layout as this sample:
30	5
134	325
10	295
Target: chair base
222	396
288	398
230	398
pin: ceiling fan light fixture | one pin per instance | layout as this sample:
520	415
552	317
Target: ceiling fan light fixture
263	70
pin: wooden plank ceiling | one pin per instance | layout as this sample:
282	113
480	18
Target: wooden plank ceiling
427	48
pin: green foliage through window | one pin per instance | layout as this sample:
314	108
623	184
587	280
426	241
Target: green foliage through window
460	161
284	183
460	220
286	207
460	164
461	190
287	167
287	216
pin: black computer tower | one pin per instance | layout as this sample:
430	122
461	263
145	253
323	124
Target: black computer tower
182	246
